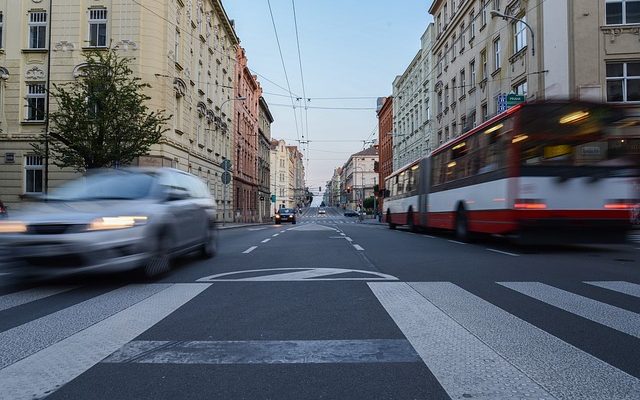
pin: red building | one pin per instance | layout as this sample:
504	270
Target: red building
385	143
245	173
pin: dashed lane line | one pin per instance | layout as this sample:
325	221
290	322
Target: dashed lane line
265	241
348	239
455	241
358	247
504	252
250	249
275	234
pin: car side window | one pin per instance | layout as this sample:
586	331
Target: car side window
181	182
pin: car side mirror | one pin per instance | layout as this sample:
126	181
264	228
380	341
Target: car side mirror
175	194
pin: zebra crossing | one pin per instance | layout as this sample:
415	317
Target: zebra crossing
474	348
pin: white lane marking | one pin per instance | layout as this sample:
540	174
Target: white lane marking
349	239
265	241
632	289
358	247
24	340
27	296
282	231
250	249
275	234
256	229
464	365
5	273
429	236
455	241
43	372
298	274
605	314
565	371
505	253
342	234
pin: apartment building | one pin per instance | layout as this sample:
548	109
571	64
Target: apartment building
265	119
185	50
360	177
385	142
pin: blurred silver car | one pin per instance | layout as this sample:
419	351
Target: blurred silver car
111	221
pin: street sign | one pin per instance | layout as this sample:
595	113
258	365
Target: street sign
226	165
273	198
513	99
502	102
226	177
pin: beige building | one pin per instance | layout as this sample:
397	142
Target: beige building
359	177
562	49
265	119
281	176
185	49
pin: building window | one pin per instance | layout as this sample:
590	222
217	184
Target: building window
445	20
177	47
37	29
98	27
446	96
453	89
439	63
463	82
33	174
453	47
463	124
461	37
622	12
483	64
496	53
485	112
623	81
454	129
440	102
439	23
520	88
36	98
472	25
1	29
519	35
472	74
484	5
446	57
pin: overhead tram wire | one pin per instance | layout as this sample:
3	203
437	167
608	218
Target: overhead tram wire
234	60
286	76
304	92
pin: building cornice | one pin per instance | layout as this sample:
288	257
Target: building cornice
222	13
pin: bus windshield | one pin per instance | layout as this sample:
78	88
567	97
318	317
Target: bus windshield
568	135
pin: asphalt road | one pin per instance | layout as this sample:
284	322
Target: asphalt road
331	308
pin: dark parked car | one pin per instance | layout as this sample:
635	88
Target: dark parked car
286	215
111	221
350	213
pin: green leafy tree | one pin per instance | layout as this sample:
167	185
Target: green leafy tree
102	120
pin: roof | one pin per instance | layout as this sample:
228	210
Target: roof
371	151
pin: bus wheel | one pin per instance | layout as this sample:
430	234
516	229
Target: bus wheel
391	225
462	225
410	223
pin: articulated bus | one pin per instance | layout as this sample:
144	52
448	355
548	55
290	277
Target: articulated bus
542	171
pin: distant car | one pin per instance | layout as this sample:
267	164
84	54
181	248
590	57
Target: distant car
322	211
350	213
115	220
3	211
286	215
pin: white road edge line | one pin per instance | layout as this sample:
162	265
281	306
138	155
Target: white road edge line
504	252
250	249
265	241
455	241
358	247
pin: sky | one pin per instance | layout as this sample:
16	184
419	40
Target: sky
348	48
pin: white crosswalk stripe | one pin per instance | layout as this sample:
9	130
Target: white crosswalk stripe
27	296
453	329
605	314
631	289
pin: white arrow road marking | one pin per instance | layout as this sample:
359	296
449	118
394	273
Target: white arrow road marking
298	275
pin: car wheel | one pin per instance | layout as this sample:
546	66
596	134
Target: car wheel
277	222
160	260
391	224
210	244
294	222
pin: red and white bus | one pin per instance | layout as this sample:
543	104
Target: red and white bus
545	171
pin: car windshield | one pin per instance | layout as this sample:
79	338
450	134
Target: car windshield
106	186
286	211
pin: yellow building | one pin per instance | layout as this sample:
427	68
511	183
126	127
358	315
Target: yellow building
186	50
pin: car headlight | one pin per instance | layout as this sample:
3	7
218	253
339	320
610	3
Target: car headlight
12	227
277	216
122	222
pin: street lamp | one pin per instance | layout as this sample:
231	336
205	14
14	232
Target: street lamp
495	13
226	148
